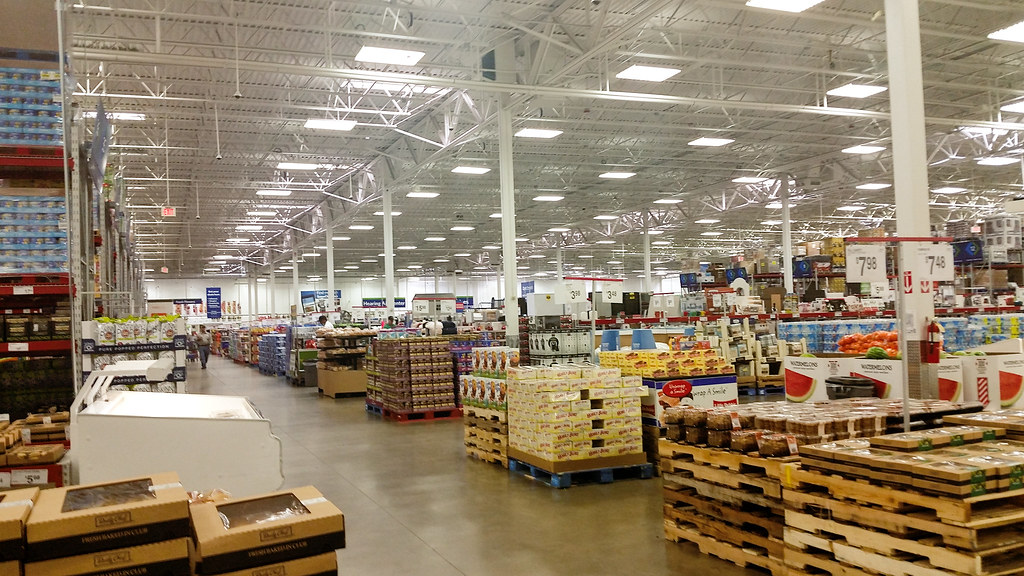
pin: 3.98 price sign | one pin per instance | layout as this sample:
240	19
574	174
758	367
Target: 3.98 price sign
576	290
865	263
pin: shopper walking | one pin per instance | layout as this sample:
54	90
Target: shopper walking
204	340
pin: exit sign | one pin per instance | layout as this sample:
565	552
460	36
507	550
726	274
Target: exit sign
163	269
167	211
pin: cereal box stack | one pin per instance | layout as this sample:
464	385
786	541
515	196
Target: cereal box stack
485	403
574	417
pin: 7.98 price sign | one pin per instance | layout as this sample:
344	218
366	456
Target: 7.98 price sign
865	263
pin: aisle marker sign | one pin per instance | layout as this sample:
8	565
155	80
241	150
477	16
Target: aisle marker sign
934	262
576	290
865	262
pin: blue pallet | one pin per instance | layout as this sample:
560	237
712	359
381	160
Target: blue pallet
567	479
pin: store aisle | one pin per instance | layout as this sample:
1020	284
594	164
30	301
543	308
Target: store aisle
414	504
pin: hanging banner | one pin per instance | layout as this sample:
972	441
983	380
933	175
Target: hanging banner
612	292
213	303
382	303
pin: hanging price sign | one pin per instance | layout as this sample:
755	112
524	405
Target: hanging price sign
612	292
865	262
576	291
447	307
933	262
421	307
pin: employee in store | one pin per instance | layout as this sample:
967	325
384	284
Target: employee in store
203	340
448	326
325	323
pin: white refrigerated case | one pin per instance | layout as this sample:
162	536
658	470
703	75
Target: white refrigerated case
210	441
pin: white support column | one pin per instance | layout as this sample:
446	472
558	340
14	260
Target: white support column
389	257
271	288
786	262
648	285
508	224
329	232
437	281
910	162
296	297
560	263
249	282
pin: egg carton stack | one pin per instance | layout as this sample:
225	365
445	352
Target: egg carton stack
485	402
107	341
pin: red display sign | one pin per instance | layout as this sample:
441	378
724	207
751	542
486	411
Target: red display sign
167	211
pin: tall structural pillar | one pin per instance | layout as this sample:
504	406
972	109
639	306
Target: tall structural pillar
508	224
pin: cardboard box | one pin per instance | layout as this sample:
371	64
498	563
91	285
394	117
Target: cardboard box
12	568
170	557
86	519
320	565
276	527
15	507
578	465
333	382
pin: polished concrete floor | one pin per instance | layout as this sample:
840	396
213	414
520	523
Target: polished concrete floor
414	503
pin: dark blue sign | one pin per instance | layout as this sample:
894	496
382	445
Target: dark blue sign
466	301
189	301
968	251
382	303
213	303
689	280
528	287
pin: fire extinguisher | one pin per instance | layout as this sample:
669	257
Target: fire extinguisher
933	346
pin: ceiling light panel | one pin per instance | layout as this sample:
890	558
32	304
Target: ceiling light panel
711	142
617	175
538	133
330	124
784	5
856	91
647	73
378	55
863	149
470	170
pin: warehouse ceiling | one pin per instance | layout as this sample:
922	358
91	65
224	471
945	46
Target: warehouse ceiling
226	89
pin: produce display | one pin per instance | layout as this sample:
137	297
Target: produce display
876	345
829	336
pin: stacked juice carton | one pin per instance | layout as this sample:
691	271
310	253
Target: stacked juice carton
695	358
566	416
484	398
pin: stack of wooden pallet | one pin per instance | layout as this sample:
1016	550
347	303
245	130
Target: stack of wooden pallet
486	434
727	503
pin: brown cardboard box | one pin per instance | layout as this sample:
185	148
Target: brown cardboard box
321	565
12	568
86	519
15	507
170	557
991	278
341	381
273	528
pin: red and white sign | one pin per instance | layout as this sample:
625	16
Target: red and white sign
167	211
164	270
908	282
926	286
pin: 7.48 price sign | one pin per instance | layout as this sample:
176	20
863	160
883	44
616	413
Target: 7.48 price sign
865	263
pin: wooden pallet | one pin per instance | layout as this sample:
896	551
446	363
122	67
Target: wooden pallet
723	494
979	535
746	516
770	487
725	551
999	509
842	553
737	462
424	416
342	394
486	440
567	479
712	527
485	424
487	456
807	563
485	414
925	551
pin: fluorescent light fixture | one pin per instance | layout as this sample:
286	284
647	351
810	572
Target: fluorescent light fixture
538	133
369	260
863	149
480	268
422	195
360	227
314	278
273	192
462	254
558	229
434	239
522	239
379	55
330	124
491	247
211	269
522	267
381	213
414	266
248	227
1013	107
1013	33
711	233
711	142
303	166
116	115
288	267
615	261
784	5
548	198
606	217
668	201
997	161
648	73
224	257
948	190
659	243
850	208
496	215
617	175
340	238
856	91
238	240
585	256
148	280
260	213
982	131
536	256
406	247
654	232
771	222
605	242
773	205
310	254
261	280
351	267
148	270
874	186
440	260
461	228
470	170
749	180
707	221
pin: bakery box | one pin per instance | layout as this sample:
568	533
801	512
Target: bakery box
277	527
320	565
86	519
167	558
15	507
